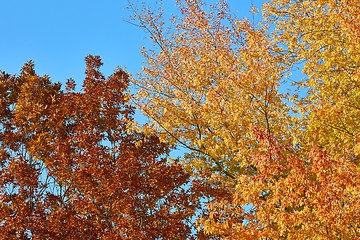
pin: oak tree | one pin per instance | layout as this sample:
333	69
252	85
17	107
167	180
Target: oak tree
73	168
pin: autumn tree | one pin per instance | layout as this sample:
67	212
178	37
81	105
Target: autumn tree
287	166
324	37
72	168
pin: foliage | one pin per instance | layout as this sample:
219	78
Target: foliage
71	167
324	35
259	162
289	166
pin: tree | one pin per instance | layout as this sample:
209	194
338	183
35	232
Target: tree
72	168
324	35
259	163
288	165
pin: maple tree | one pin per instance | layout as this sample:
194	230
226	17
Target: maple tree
288	166
72	168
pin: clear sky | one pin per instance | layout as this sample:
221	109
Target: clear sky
58	34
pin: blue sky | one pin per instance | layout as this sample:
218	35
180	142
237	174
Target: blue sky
58	34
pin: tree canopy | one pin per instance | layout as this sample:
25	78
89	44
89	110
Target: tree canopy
214	85
72	168
259	161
